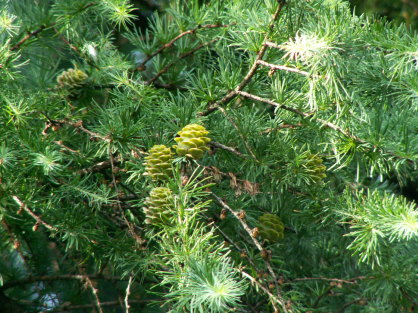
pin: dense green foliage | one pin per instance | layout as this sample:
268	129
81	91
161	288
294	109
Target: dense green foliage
243	156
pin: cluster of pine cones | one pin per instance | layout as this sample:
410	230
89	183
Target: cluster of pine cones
192	142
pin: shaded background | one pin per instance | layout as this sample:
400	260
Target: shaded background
395	10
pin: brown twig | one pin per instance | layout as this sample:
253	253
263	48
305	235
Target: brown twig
71	307
27	37
79	125
263	49
244	140
61	144
236	183
324	123
96	167
271	102
272	297
128	292
13	239
283	68
338	280
301	113
94	291
67	42
171	42
45	278
131	228
346	305
259	247
226	148
24	207
75	49
43	27
229	240
183	56
322	295
251	72
272	45
282	126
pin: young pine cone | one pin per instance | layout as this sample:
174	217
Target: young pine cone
192	141
71	78
316	168
159	206
271	227
158	162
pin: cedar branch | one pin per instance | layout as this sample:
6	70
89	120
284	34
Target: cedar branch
324	123
283	68
244	224
215	106
39	220
171	42
45	278
183	56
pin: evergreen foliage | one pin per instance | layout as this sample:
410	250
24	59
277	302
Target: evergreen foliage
233	156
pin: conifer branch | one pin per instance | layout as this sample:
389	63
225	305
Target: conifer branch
274	300
76	50
42	28
94	291
346	305
226	148
65	307
283	68
272	45
275	104
27	37
324	123
263	49
79	197
230	241
237	184
338	280
215	106
282	126
23	206
322	295
61	144
13	239
96	167
183	56
131	227
244	140
79	125
259	247
128	292
172	41
45	278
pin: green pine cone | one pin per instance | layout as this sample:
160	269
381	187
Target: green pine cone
192	141
271	227
71	78
316	168
158	206
158	162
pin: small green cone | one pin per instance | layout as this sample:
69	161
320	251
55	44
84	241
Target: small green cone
72	78
158	162
316	168
192	141
158	206
271	227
